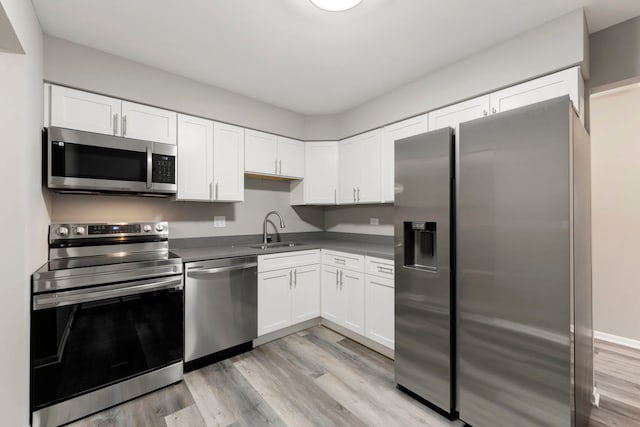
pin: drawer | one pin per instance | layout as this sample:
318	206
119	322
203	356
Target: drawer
379	281
379	267
343	260
288	260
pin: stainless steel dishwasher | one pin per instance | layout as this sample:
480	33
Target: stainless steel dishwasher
221	305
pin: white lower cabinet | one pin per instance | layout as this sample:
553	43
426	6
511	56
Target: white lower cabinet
343	290
290	295
380	310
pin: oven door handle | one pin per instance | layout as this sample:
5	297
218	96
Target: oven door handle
41	302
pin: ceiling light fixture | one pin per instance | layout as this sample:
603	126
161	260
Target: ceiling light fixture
336	5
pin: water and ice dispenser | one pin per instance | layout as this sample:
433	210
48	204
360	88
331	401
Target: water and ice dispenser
420	245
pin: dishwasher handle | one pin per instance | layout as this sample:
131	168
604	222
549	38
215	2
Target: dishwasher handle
209	271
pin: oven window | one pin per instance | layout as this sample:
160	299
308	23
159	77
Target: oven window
82	347
86	161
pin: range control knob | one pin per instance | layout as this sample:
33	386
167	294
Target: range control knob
63	231
146	228
159	227
80	230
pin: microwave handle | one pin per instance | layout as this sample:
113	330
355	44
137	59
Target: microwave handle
149	167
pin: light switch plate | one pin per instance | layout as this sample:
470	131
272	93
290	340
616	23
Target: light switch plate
374	221
220	221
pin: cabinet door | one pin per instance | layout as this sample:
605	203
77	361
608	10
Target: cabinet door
228	163
390	134
348	170
565	82
195	158
380	309
75	109
332	302
260	151
290	157
274	300
305	301
148	123
368	167
320	183
453	115
352	296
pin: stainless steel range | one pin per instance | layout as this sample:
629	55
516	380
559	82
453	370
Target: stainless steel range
106	320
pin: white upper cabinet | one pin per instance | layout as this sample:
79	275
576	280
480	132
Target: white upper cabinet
260	153
210	160
75	109
272	155
453	115
369	147
390	134
348	166
320	182
359	168
228	163
567	82
195	158
290	157
148	123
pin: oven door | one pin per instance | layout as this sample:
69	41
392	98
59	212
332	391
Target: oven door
86	339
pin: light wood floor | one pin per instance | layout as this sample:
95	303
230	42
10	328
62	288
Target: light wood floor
319	378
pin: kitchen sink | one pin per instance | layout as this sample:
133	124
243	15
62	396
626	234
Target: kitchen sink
276	245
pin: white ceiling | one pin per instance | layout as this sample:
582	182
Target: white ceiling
291	54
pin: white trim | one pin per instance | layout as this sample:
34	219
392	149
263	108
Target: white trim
627	342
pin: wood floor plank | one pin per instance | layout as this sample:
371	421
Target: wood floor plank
186	417
294	396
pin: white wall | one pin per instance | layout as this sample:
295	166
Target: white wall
193	219
356	219
23	211
616	211
558	44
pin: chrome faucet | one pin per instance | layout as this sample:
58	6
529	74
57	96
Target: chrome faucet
264	225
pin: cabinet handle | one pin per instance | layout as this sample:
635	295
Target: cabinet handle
493	111
354	194
276	167
385	269
339	261
217	193
115	124
211	191
341	279
485	113
124	125
358	194
337	282
280	172
290	278
335	196
295	278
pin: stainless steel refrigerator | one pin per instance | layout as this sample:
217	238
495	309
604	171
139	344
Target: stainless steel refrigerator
523	336
424	333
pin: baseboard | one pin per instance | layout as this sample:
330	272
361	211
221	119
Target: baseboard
281	333
367	342
615	339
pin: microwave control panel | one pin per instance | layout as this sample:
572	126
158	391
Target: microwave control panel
164	169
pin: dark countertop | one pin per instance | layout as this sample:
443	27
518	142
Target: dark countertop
200	249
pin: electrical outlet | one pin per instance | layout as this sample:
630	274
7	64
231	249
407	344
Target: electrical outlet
220	221
374	221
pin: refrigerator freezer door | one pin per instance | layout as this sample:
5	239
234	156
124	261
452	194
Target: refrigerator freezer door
514	268
423	352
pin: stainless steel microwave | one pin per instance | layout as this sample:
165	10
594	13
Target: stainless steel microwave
79	161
